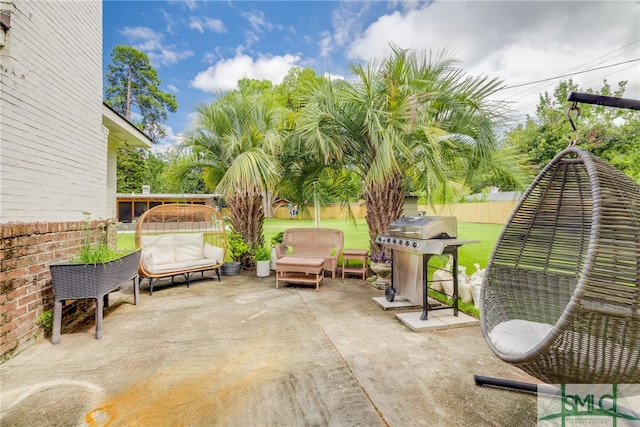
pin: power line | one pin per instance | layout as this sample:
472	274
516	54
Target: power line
594	62
570	74
630	47
586	83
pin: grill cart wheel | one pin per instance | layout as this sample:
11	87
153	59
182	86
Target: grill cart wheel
389	294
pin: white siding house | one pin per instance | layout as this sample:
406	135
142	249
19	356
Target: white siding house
58	146
56	160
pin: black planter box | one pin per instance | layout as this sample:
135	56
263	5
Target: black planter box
80	281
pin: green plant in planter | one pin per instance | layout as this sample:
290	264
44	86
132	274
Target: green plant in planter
93	273
277	239
95	253
237	247
262	253
381	265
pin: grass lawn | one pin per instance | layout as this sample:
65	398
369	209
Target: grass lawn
356	236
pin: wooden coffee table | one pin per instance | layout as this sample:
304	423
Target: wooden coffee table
300	270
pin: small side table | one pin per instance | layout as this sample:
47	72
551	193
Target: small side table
355	255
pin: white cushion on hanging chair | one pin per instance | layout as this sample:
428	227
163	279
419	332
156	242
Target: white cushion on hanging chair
518	336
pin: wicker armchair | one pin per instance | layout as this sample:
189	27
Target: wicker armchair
561	294
180	239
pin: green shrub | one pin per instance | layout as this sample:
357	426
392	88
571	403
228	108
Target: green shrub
262	253
237	247
275	240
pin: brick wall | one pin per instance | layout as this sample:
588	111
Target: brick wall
26	251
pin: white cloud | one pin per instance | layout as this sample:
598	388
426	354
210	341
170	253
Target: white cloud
251	38
151	42
326	43
331	76
258	21
224	75
202	24
518	41
168	142
144	37
168	56
348	20
259	24
172	88
135	117
189	4
196	24
209	57
170	21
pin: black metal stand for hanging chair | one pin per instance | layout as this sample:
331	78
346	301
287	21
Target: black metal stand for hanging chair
561	292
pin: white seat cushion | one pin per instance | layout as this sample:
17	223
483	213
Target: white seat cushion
182	265
518	336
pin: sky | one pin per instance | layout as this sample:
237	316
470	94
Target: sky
202	48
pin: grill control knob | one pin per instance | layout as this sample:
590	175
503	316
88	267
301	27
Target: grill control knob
388	239
400	242
407	243
414	244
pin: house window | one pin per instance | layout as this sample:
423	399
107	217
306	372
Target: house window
139	208
124	212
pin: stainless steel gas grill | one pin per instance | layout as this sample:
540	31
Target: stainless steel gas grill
413	241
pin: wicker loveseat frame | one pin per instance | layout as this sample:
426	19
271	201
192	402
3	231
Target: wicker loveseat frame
179	225
323	243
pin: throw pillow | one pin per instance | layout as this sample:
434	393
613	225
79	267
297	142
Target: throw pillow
147	260
214	252
189	247
161	247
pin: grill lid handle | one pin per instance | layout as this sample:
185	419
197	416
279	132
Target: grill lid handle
403	231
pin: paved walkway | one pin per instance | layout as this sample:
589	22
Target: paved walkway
241	353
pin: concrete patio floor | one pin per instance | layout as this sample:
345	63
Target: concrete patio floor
241	353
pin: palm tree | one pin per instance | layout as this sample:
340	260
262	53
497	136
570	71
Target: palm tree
410	122
236	141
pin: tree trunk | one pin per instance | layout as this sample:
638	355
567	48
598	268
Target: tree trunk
267	203
384	202
127	108
247	218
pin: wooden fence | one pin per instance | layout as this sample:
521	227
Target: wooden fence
480	212
329	211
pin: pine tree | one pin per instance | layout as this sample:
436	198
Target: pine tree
133	89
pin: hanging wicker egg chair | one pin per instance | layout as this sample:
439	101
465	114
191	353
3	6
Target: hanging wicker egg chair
561	293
